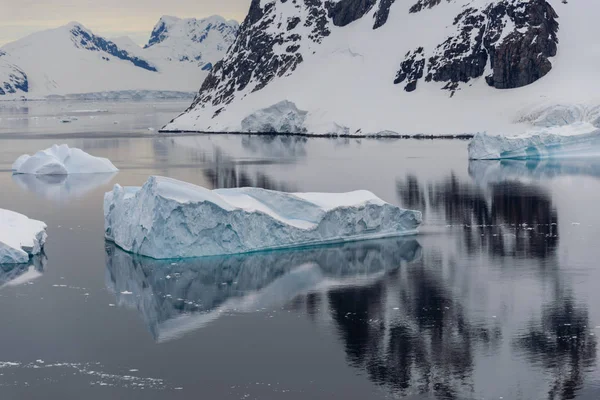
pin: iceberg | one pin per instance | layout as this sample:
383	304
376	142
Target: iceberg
538	145
282	117
62	160
167	218
175	298
20	237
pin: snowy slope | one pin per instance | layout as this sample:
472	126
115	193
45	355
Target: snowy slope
72	59
361	67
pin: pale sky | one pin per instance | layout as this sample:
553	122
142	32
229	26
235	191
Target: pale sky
109	18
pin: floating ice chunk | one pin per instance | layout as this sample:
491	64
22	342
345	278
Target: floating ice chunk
541	145
20	237
62	160
283	117
167	218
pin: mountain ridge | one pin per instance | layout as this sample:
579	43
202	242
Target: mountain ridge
366	67
71	59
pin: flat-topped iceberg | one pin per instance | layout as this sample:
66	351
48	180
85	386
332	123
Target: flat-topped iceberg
167	218
62	160
20	237
535	146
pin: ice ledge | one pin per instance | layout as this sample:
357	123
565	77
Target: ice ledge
167	218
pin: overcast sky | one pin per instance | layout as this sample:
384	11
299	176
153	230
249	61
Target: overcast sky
110	18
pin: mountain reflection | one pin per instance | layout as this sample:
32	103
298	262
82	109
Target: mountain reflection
177	297
409	333
509	218
563	343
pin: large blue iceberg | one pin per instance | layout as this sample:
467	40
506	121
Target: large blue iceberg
167	218
535	146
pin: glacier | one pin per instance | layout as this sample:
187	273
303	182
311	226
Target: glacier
537	145
20	237
167	218
175	298
62	160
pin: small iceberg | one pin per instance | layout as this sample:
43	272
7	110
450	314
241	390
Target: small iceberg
538	145
20	237
167	219
62	160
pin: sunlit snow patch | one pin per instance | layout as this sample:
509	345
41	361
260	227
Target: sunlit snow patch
540	145
20	237
62	160
167	218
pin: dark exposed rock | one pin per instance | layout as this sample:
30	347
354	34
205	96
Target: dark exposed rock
14	81
517	58
522	57
89	41
255	59
382	13
345	12
422	4
411	69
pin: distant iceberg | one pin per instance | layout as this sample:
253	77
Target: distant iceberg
175	298
20	237
539	145
167	218
62	160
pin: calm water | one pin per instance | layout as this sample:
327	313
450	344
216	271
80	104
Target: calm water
496	298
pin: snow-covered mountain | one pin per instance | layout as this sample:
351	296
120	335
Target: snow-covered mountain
362	67
73	60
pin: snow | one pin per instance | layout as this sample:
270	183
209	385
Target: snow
167	219
57	64
539	145
62	160
346	84
20	237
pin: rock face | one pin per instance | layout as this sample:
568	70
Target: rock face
514	38
259	54
283	117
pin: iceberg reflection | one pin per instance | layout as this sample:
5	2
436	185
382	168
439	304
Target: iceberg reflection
19	274
488	172
176	297
60	188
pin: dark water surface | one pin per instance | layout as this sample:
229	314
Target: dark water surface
496	298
